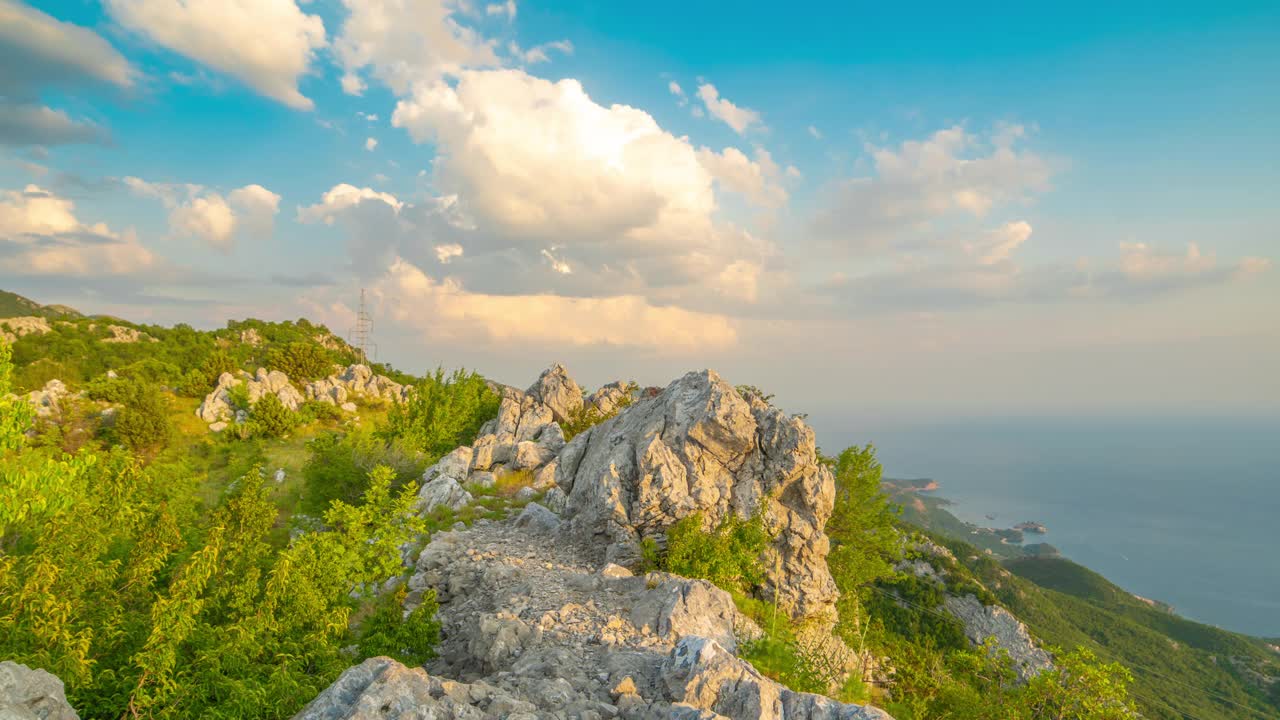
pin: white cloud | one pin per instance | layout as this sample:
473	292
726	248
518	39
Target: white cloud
539	53
538	163
674	88
404	43
50	51
447	252
342	197
196	211
757	180
370	144
41	235
445	310
507	10
952	173
739	118
367	116
352	84
815	133
268	44
997	245
556	263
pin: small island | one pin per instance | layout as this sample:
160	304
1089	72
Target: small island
1031	527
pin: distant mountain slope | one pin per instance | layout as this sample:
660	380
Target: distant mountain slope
15	305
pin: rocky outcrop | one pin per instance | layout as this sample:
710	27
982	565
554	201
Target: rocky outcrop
612	397
15	327
27	694
700	447
355	381
992	621
533	628
48	400
558	392
121	334
703	676
217	408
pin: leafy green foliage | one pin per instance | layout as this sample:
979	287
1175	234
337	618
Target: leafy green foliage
270	417
727	555
198	381
143	422
442	413
411	639
338	466
302	361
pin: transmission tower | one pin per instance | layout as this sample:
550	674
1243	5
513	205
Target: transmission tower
358	336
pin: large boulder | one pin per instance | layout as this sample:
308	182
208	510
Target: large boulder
556	390
442	490
48	400
992	621
217	408
673	607
703	675
355	381
700	447
27	694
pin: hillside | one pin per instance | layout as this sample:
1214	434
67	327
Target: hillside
14	305
321	528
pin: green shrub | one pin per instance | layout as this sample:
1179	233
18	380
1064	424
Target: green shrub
301	361
442	413
338	466
143	423
411	638
728	555
589	415
270	417
198	381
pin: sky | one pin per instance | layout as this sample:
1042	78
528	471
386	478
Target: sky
933	210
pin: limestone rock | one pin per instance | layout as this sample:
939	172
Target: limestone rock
537	517
121	334
27	694
610	397
453	465
556	390
15	327
442	490
983	621
677	607
48	400
355	380
698	446
703	675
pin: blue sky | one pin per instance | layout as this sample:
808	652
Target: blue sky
986	209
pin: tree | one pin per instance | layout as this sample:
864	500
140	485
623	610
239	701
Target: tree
442	414
864	540
301	361
270	417
143	422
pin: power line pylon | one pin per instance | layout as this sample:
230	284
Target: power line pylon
358	336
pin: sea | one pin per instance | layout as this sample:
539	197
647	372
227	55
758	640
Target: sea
1178	510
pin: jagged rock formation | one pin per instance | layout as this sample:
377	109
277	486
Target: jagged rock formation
337	389
356	380
217	407
15	327
121	334
27	694
533	628
48	400
699	446
980	621
984	621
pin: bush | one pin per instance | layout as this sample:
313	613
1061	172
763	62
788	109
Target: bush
143	423
338	466
728	555
411	638
270	417
589	415
301	361
442	414
200	380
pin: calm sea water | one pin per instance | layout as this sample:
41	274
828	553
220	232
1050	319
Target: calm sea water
1187	512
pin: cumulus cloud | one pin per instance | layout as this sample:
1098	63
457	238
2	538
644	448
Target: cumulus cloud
739	118
997	245
506	9
370	144
447	252
39	51
540	53
342	197
195	211
445	310
756	179
404	43
40	234
951	173
267	44
537	163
